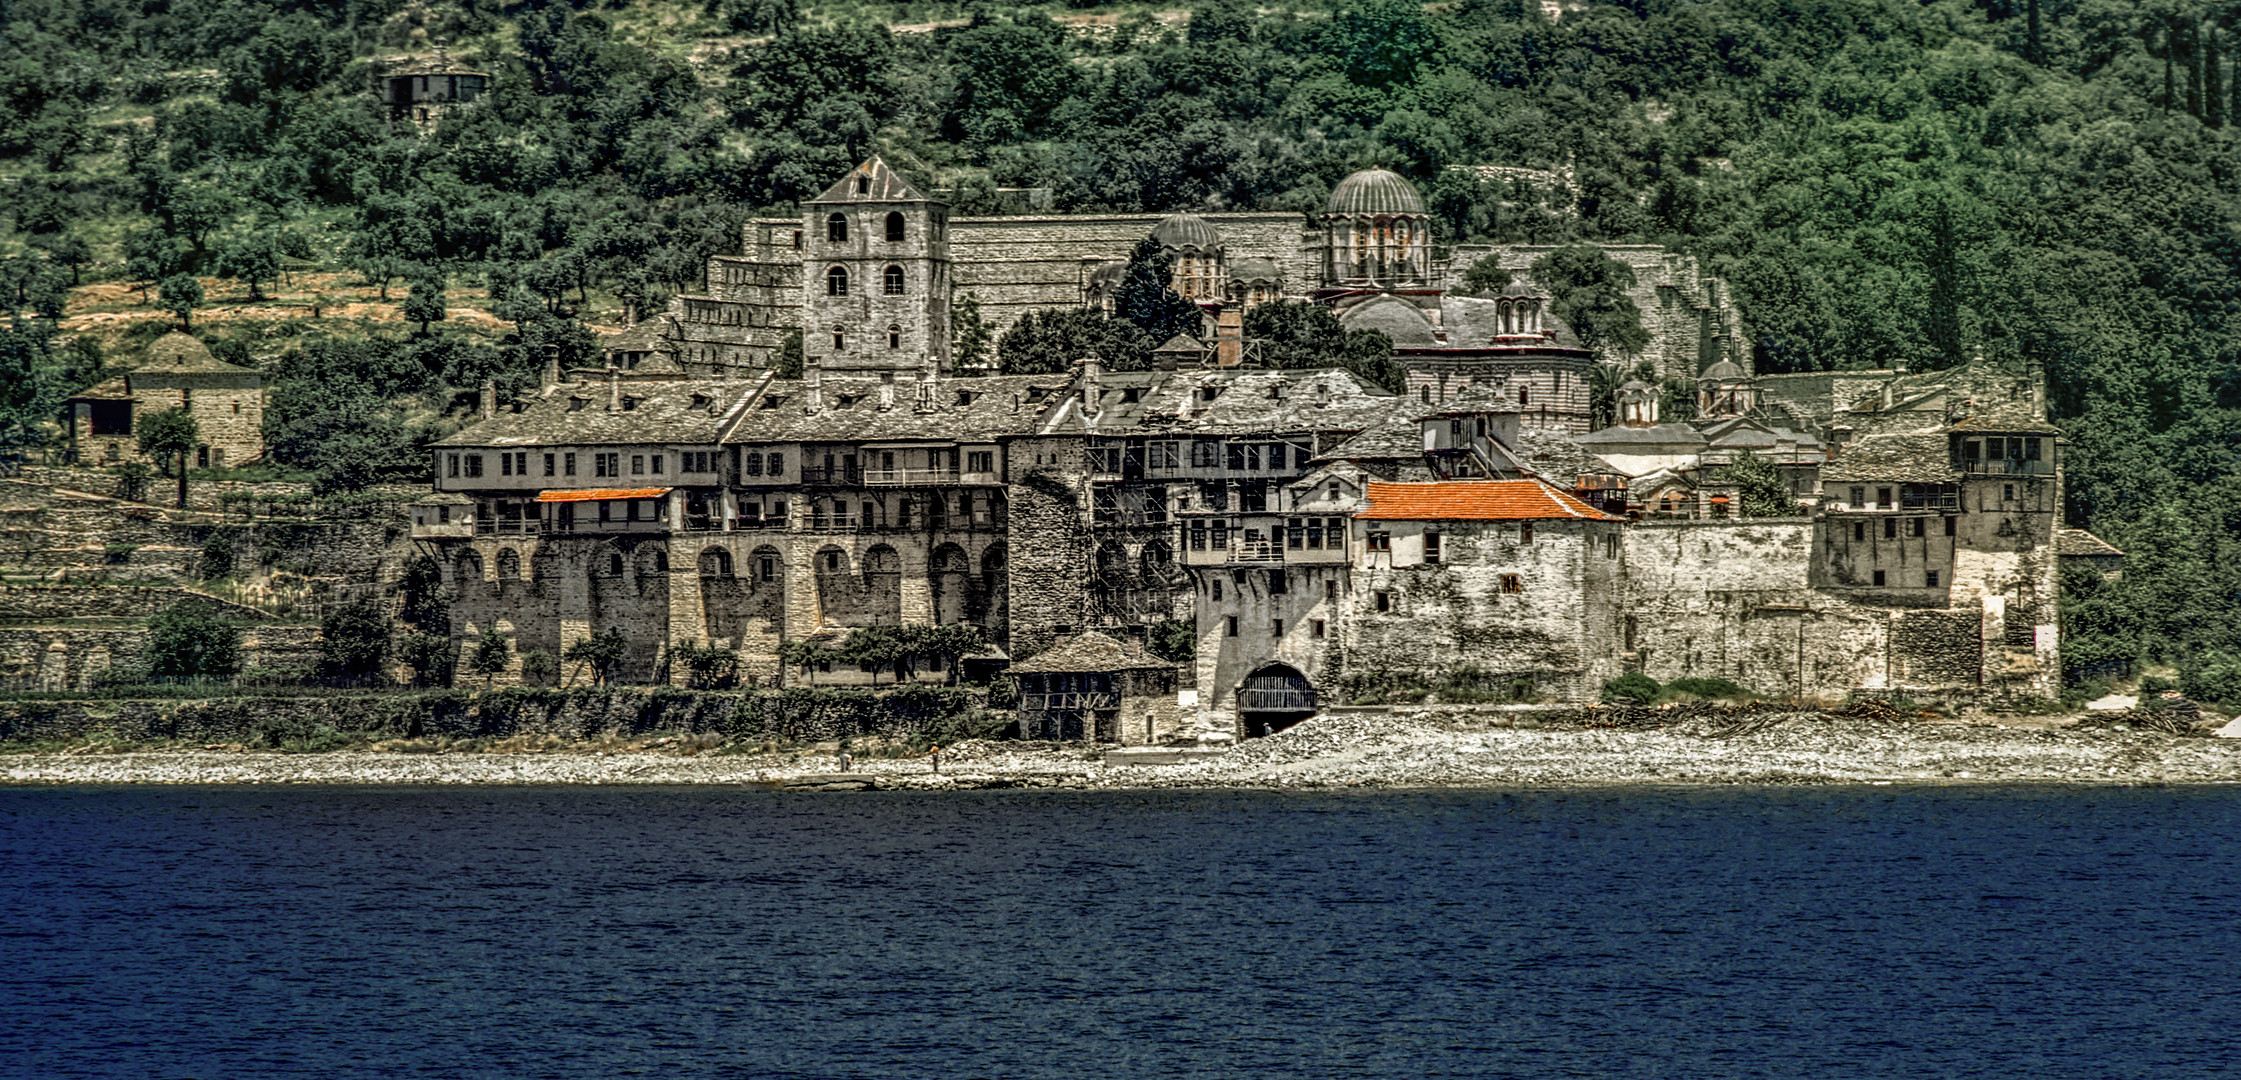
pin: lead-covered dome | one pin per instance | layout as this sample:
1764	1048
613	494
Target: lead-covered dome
1375	191
1187	231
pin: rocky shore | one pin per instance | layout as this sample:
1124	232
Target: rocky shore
1421	748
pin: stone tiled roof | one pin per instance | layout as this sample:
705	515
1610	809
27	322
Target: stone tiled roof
965	410
1559	457
1479	397
1921	458
1476	500
1305	400
681	411
2080	542
1664	438
177	353
1473	323
887	185
1088	652
1397	435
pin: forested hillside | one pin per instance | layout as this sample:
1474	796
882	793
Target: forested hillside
1883	183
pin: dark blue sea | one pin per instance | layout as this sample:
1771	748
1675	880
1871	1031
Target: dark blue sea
687	932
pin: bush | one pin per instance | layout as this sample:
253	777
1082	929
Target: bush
1632	687
2216	679
186	641
539	668
1706	688
2156	684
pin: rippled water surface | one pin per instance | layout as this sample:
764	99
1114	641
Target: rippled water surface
597	932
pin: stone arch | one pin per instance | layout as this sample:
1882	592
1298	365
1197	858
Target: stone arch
609	564
715	563
836	228
891	281
1274	697
765	566
894	335
468	566
895	226
832	561
949	572
836	281
651	560
883	586
509	564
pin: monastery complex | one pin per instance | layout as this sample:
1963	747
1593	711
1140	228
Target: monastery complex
1317	533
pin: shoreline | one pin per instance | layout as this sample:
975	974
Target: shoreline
1431	750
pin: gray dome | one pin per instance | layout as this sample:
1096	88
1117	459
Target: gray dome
1187	231
1521	286
1375	191
1724	371
1255	269
1397	319
1108	274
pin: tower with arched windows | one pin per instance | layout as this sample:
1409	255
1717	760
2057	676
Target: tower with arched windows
875	274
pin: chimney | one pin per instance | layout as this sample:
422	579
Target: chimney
1885	397
2034	376
928	386
813	382
614	389
886	390
1093	386
552	366
489	399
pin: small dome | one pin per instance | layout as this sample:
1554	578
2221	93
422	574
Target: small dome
177	350
1255	270
1724	371
1187	231
1397	319
1375	191
1521	287
1108	275
1634	386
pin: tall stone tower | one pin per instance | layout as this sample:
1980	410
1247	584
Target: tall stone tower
875	274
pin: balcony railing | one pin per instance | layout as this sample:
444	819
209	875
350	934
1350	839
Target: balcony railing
514	527
833	476
2007	467
1068	702
910	476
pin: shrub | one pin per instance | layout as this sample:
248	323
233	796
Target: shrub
1706	688
1632	687
2217	678
2156	684
354	644
539	668
187	641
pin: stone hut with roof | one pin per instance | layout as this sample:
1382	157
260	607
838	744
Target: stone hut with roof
226	400
1092	686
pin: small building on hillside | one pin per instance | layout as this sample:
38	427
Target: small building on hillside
1093	687
420	89
226	400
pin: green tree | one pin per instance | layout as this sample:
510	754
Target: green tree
490	656
1760	489
354	643
251	259
707	667
169	436
538	668
189	642
1049	342
181	294
425	303
1146	298
600	652
969	337
428	655
1587	290
1297	334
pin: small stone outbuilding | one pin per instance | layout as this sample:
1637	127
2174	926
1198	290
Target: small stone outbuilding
226	400
1093	687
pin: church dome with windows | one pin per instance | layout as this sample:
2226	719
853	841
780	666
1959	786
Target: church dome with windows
1375	191
1187	232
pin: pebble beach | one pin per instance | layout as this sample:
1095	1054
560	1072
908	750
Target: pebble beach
1424	748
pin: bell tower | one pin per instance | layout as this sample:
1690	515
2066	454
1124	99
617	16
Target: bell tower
875	274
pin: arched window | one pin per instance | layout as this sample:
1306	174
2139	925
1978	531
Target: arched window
840	340
614	566
836	281
1524	395
892	281
895	227
894	336
836	228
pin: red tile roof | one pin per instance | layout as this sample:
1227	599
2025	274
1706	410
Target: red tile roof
597	494
1476	500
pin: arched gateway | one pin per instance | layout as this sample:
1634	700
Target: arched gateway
1273	698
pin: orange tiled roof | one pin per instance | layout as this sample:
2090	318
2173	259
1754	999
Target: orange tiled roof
596	494
1476	500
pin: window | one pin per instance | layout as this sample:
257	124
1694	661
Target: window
1316	627
1382	600
637	464
1914	526
891	281
1859	497
1234	457
1859	530
1524	396
1379	540
474	464
548	464
1949	526
1930	579
1202	453
1890	528
1511	583
836	229
1279	583
1879	579
775	464
751	464
568	464
505	464
766	568
657	465
1229	628
980	461
1524	532
614	565
2030	449
894	227
1432	547
1330	591
1883	497
451	466
1217	592
836	281
2007	492
1276	627
840	340
1276	457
